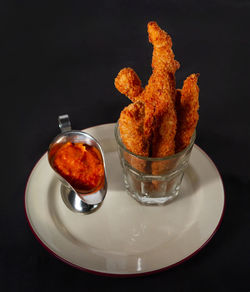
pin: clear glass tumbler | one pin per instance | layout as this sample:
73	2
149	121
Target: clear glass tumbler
153	181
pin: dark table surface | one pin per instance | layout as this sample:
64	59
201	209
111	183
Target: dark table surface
63	58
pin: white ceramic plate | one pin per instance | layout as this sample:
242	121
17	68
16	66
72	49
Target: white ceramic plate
124	238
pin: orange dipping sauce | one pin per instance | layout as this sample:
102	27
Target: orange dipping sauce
80	164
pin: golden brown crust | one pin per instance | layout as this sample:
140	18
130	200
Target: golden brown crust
131	128
187	105
158	96
162	86
148	126
128	83
163	143
163	62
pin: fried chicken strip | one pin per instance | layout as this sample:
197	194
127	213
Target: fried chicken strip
128	83
158	96
131	130
163	142
187	105
163	63
161	86
161	120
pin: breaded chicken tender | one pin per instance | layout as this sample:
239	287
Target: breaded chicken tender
161	119
161	85
131	131
163	62
163	143
128	83
131	128
158	96
187	105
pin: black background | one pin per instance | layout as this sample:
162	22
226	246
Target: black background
62	57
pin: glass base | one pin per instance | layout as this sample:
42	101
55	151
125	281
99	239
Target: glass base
153	193
153	180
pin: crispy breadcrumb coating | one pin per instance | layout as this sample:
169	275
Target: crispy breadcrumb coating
128	83
161	86
131	130
161	119
187	105
163	62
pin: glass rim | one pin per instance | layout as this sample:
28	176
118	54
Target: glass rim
119	141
